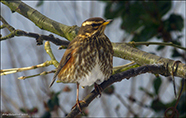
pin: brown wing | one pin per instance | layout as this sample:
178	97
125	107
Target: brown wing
66	57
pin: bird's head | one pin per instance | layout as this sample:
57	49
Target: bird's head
93	26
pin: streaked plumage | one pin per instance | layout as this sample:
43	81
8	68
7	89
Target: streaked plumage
88	58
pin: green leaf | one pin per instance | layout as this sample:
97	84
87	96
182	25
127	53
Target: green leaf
175	53
163	7
113	9
40	2
157	83
23	110
160	47
182	104
109	90
54	101
131	18
157	105
173	23
145	34
46	115
176	42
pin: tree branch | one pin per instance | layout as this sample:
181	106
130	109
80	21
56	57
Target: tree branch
5	24
155	69
157	43
121	50
157	65
14	70
68	32
39	38
124	51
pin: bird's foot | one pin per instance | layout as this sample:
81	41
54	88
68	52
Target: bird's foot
78	105
98	89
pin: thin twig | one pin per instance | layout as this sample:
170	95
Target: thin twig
43	73
125	104
5	24
14	70
122	66
39	38
158	43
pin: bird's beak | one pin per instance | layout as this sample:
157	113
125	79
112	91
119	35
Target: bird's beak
107	22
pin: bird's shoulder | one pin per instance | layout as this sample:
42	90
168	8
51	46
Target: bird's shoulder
71	49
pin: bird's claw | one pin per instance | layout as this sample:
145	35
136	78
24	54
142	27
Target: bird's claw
78	105
98	89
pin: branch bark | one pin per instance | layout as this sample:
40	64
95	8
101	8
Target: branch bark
121	50
68	32
155	69
156	64
125	51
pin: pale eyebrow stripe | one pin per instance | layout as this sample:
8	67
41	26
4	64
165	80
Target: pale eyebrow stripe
81	35
90	22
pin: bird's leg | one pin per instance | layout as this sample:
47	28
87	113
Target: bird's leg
98	89
77	99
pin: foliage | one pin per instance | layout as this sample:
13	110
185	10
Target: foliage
39	3
145	20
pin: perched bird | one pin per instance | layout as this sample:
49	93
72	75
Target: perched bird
88	58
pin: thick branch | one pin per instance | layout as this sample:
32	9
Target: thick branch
116	78
120	50
68	32
124	51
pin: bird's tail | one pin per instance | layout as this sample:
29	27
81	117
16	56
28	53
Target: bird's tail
54	78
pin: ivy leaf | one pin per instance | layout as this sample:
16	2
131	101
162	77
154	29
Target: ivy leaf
157	105
181	104
46	115
173	23
40	2
113	9
131	20
176	53
163	7
54	101
109	90
145	34
160	47
23	110
157	83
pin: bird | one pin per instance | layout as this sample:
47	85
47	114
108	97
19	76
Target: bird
88	58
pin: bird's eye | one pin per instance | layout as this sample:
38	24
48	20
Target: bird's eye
94	24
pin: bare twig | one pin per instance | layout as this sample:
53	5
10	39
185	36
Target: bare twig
14	70
43	73
157	43
5	24
118	69
125	104
121	50
39	38
43	22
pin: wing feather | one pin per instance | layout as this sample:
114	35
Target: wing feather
66	57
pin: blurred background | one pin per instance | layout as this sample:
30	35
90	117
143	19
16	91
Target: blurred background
141	96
